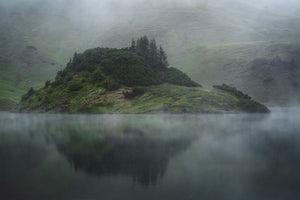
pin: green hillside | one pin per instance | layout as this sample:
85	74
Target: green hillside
131	80
22	66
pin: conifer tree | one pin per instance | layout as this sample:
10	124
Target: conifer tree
149	51
75	58
163	57
133	46
153	53
144	46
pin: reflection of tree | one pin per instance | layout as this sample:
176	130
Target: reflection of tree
135	154
23	156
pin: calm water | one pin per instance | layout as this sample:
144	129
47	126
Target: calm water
236	156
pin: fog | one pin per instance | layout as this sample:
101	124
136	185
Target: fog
78	24
112	12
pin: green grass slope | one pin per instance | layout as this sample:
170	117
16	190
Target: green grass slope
106	80
157	98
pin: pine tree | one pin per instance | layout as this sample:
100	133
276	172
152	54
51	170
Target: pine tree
133	46
75	58
144	46
153	53
163	58
138	46
149	51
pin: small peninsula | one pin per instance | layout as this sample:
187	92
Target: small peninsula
136	79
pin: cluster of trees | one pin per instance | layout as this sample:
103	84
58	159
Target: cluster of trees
245	103
141	64
148	49
232	90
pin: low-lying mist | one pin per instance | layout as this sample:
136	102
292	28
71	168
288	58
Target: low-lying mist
233	156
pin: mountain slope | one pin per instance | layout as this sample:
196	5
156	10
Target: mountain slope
22	66
268	71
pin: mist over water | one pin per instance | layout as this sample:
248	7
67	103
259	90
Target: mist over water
238	156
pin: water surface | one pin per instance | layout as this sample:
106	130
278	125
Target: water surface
234	156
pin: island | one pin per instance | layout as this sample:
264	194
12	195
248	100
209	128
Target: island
135	79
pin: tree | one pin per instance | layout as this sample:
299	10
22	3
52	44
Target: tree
153	53
28	94
142	47
47	84
133	46
162	58
76	58
148	50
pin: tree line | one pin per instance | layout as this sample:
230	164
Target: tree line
148	49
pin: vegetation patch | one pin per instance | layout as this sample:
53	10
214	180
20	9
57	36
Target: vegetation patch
136	79
232	90
245	103
135	92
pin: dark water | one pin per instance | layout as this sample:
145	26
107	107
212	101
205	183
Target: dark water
238	156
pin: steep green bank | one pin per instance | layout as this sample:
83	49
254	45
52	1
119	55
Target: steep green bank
131	80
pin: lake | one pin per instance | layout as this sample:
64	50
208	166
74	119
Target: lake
211	156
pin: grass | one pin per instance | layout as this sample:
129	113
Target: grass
9	95
158	98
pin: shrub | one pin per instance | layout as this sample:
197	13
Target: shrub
97	76
135	92
47	84
232	90
75	86
177	77
111	84
28	94
252	106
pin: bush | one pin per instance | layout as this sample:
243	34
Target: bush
177	77
97	76
75	86
47	84
111	84
232	90
135	92
28	94
252	106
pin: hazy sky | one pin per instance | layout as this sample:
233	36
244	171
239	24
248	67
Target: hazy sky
62	19
129	3
107	8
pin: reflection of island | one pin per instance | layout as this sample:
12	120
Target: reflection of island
136	154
